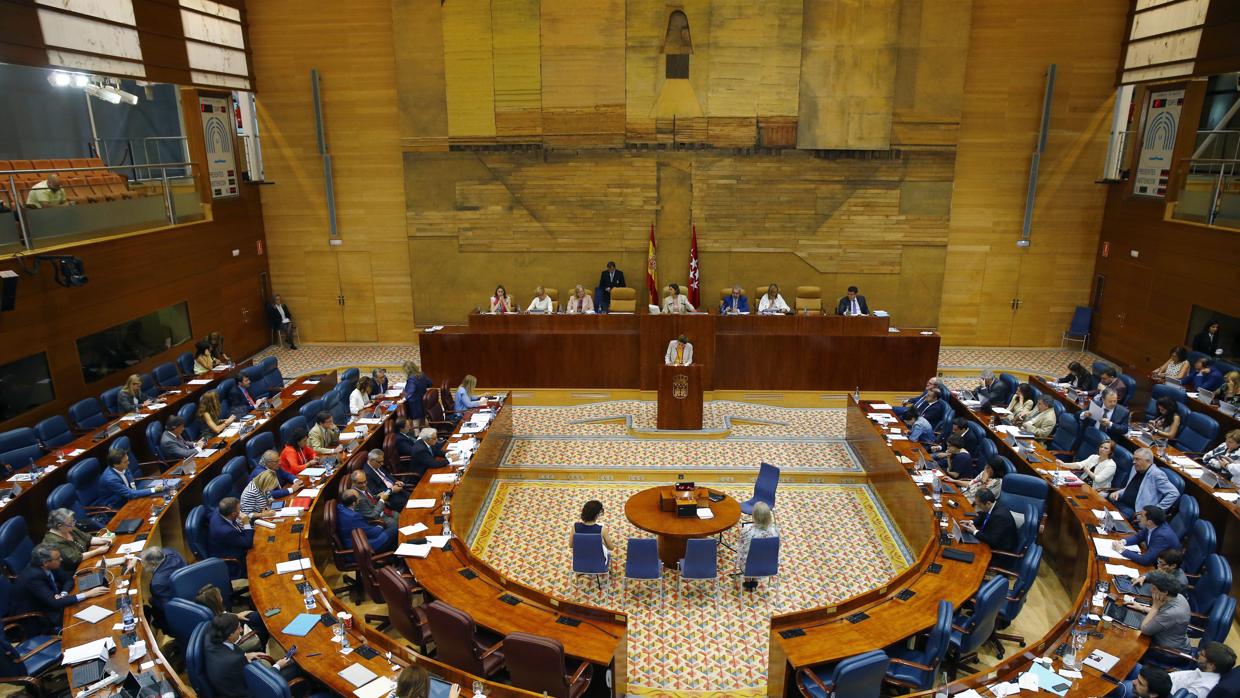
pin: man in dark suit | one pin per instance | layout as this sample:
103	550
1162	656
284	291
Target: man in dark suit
43	587
161	562
1153	536
117	486
224	662
609	279
172	443
372	507
935	409
991	391
281	319
380	482
381	538
852	304
228	535
1109	380
240	399
734	304
1115	417
427	455
995	526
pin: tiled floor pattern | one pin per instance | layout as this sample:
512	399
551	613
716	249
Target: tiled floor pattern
834	543
731	453
773	422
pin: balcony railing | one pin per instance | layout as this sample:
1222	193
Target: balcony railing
1209	192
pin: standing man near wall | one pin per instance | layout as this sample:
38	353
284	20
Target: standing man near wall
609	279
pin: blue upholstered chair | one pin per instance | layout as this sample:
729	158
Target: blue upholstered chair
1078	329
1067	433
350	375
763	489
166	375
220	487
292	426
970	631
642	563
29	662
111	400
1022	581
15	545
1123	466
1020	490
1202	543
196	532
1198	432
256	446
856	677
1187	511
916	669
311	409
196	661
183	616
20	447
262	681
147	385
1215	581
1090	441
189	579
87	414
193	426
154	432
1131	384
762	563
53	432
185	364
588	557
701	562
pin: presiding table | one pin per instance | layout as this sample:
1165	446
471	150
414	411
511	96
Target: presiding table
654	510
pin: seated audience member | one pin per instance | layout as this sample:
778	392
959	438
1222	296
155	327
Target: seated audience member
203	361
47	194
1175	368
1230	390
1146	485
210	412
465	399
1168	562
852	304
763	526
1165	422
919	428
991	390
540	303
414	682
381	539
1098	469
160	563
674	301
1225	457
935	408
297	454
75	545
609	278
1078	377
959	427
224	662
1214	659
1228	685
1167	615
735	304
1153	536
173	442
1204	376
379	383
591	513
43	587
416	385
230	535
959	462
116	485
324	437
920	401
130	398
1150	682
679	352
1208	340
253	633
240	398
580	303
1021	405
500	302
1114	418
281	320
773	303
995	526
270	460
256	498
426	454
1109	380
380	482
359	399
215	342
990	478
1042	422
372	507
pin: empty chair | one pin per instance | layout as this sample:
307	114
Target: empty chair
1129	383
623	300
84	476
271	374
1215	581
536	664
701	562
642	563
459	643
1198	432
196	532
196	660
111	400
406	616
1176	480
53	432
256	446
28	662
763	488
185	364
1078	329
20	447
588	556
970	631
166	375
856	677
310	409
182	616
15	545
87	414
238	470
809	299
1026	574
916	669
1067	433
350	375
1187	512
987	450
1202	543
367	564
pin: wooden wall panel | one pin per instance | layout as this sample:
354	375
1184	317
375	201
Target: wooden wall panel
583	72
469	71
518	77
417	32
933	46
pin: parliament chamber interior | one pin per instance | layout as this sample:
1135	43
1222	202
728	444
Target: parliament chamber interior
675	348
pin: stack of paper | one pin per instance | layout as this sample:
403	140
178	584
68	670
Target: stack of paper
293	565
443	478
410	530
705	513
1227	496
378	688
310	492
200	381
414	550
1104	548
420	504
438	541
1122	571
93	614
99	649
313	472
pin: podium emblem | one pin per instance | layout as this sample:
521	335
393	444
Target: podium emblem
680	386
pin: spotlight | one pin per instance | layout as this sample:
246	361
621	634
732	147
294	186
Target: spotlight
106	94
126	97
80	81
59	79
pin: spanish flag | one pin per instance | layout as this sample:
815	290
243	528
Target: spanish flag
652	283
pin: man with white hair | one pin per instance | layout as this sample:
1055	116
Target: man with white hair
47	194
427	455
1147	485
380	482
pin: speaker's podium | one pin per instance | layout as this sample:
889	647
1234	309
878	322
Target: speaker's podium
680	397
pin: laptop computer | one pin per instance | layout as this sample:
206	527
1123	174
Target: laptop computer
1204	396
127	526
1123	615
189	466
86	673
1172	381
1124	585
1211	479
89	581
1227	408
962	535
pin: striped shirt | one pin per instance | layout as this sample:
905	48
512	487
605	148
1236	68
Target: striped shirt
254	500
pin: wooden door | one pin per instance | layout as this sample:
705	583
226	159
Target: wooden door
323	320
357	288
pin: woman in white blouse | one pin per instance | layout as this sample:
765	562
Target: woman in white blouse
676	302
501	302
1226	456
360	397
580	303
1175	367
540	303
1099	468
772	302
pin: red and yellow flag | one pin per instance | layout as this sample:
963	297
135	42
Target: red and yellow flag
652	271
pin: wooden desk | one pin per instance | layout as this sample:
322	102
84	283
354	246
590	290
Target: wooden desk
680	398
644	511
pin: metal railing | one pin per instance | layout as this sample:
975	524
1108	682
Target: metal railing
1209	192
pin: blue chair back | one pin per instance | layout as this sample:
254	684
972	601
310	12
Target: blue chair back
53	432
1201	544
63	497
121	443
340	407
1198	432
147	386
1100	366
111	400
1006	466
350	375
185	364
166	375
196	532
701	559
642	560
271	374
1059	409
1123	465
189	579
1081	317
931	656
220	487
193	426
588	555
1066	432
1186	515
18	447
264	682
981	625
310	409
860	676
292	426
1132	388
15	545
1026	575
945	424
1021	490
238	468
1225	367
258	386
1174	478
763	488
256	446
1010	384
1215	581
184	616
1162	390
224	391
986	450
1092	438
1218	624
154	432
196	659
84	476
87	414
763	559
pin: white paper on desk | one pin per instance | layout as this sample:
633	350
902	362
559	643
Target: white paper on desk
410	530
420	504
93	614
370	420
313	472
231	431
130	548
879	406
1001	410
288	512
1103	546
897	437
131	417
293	565
264	524
76	452
1101	661
970	693
348	436
22	477
1122	571
207	452
443	478
357	675
413	550
1006	688
310	492
1184	462
376	689
438	541
299	393
137	651
472	428
1070	673
200	381
904	460
1029	681
705	513
99	649
156	406
973	404
394	392
1102	514
1228	496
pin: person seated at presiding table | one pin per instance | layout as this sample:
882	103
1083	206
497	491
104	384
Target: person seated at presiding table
160	563
224	662
735	304
1225	457
1114	418
297	454
173	442
1098	469
75	545
991	390
920	430
240	398
426	453
1042	422
501	302
257	496
116	486
995	526
1021	405
465	399
380	482
1153	536
1204	376
43	587
47	194
381	538
1109	380
1165	422
591	513
763	526
1146	485
130	398
990	478
610	278
1175	368
959	463
580	302
230	535
210	413
679	352
674	301
359	399
254	633
1167	615
772	303
540	303
416	385
1078	377
324	436
372	507
852	304
1168	562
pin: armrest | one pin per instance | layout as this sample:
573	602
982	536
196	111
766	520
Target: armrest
1060	453
46	643
915	665
1168	652
381	557
959	629
577	674
1005	573
807	674
491	650
1010	556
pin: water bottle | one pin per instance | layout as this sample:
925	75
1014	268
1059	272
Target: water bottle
308	597
1079	633
344	639
127	619
857	394
936	488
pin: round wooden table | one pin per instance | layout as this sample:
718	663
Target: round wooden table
643	511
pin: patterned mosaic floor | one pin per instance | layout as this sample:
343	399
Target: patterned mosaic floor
739	417
834	544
